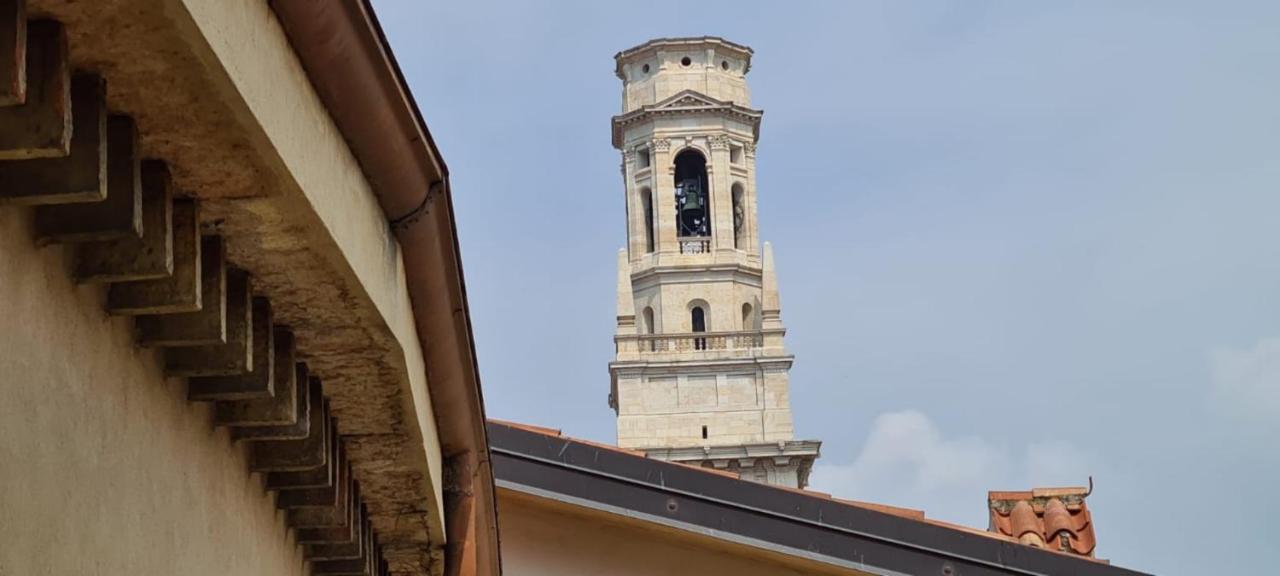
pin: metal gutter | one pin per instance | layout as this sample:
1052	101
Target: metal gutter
349	62
813	526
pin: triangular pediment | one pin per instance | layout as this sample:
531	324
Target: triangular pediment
688	99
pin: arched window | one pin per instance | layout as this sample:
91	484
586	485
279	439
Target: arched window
646	204
648	327
693	203
739	217
698	321
748	317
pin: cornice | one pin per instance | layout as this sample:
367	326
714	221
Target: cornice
687	103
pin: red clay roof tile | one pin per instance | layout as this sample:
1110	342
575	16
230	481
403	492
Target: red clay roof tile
1054	518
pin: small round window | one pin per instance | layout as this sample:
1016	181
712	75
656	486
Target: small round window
685	61
724	65
645	69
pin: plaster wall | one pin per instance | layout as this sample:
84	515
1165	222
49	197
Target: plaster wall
105	468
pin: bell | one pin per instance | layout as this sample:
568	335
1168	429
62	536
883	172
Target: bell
692	194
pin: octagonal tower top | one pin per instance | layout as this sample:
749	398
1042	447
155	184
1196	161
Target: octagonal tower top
661	68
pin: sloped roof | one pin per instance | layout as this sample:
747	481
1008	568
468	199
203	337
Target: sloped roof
865	536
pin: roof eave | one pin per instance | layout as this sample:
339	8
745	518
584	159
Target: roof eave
341	43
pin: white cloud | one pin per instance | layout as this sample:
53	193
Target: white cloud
1247	382
907	461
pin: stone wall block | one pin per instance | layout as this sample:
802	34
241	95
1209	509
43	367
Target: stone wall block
120	214
146	258
207	326
233	357
259	382
13	52
55	176
39	125
278	410
178	293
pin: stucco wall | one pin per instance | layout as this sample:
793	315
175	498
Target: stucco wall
105	468
554	540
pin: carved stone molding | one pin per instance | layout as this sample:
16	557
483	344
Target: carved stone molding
719	142
662	144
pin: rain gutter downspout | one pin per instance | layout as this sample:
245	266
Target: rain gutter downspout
349	62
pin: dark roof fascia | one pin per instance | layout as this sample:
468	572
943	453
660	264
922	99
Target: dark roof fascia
810	526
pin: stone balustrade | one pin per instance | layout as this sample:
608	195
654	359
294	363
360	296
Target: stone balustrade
689	342
694	244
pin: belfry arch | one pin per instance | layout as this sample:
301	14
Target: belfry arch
692	195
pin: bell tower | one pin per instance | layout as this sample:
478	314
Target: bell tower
700	374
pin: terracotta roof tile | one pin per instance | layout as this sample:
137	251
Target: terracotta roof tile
1052	518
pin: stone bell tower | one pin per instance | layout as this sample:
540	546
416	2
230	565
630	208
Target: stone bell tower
701	373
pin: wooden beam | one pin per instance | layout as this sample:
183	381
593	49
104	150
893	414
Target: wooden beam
40	126
77	176
306	454
146	258
235	356
259	381
279	409
352	550
207	326
178	293
13	52
329	525
320	477
120	215
364	565
327	496
299	429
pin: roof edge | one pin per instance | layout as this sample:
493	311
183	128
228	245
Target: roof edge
887	539
340	44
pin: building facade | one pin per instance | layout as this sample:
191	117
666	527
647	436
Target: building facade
701	372
220	267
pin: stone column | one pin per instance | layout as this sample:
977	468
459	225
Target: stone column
721	193
749	196
663	170
635	210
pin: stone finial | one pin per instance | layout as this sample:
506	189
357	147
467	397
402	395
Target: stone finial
626	302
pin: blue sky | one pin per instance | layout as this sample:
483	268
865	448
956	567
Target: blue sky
1019	243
